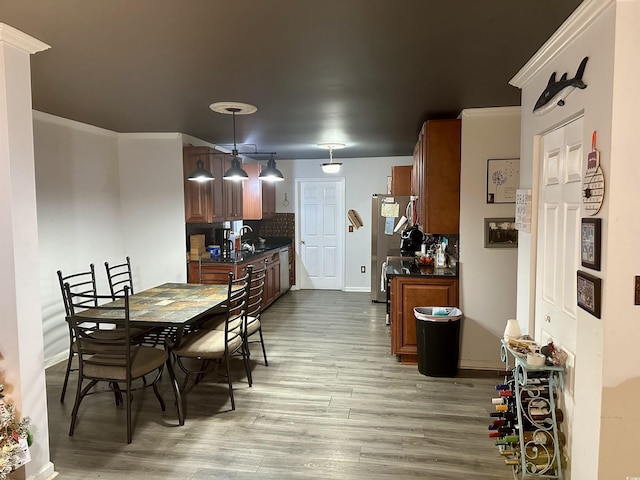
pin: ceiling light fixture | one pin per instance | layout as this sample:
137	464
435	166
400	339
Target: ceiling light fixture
331	167
270	173
236	172
201	174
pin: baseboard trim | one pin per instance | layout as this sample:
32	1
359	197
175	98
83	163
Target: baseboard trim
47	472
357	289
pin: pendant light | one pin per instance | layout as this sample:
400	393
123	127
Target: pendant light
270	173
331	166
201	174
236	172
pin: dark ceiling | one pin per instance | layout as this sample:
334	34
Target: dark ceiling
366	73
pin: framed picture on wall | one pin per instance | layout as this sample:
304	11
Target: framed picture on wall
589	293
590	243
503	179
500	233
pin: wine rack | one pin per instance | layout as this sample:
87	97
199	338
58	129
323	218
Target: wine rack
526	418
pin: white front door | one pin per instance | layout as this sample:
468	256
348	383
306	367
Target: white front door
558	247
321	224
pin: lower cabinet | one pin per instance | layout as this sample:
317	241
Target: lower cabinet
407	293
272	281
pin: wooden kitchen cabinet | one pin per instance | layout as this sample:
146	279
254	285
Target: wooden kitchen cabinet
233	193
258	197
401	179
272	280
407	293
216	201
198	197
436	176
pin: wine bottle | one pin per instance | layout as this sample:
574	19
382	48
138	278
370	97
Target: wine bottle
504	415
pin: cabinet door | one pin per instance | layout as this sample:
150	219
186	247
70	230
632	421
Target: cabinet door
232	192
407	293
441	177
197	195
401	176
218	205
258	197
268	199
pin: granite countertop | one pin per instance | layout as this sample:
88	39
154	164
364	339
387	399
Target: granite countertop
409	268
270	246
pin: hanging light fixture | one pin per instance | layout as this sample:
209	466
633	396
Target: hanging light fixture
201	174
270	173
236	172
331	166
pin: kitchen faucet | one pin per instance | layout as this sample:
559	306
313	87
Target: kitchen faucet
242	230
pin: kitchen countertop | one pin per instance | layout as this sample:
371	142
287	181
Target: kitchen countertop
269	247
409	268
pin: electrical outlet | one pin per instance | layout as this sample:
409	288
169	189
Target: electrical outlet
363	269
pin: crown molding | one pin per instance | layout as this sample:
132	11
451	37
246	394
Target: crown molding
65	122
16	38
581	19
493	111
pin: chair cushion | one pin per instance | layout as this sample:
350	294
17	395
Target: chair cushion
234	323
253	325
145	360
208	344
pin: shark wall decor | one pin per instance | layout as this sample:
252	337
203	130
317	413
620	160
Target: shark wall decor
555	92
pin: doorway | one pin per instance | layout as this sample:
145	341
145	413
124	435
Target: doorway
320	233
557	254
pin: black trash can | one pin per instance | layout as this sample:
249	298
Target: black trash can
438	339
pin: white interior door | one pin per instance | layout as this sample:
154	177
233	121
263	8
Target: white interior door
320	219
558	247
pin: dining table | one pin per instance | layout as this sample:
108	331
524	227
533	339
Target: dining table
164	312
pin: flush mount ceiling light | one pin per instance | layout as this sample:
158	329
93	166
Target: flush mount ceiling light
331	167
270	173
236	172
201	174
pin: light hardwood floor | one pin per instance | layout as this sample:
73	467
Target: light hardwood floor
333	404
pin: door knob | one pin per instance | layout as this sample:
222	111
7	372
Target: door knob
302	242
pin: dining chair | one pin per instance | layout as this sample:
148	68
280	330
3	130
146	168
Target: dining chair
112	360
83	283
119	276
198	349
249	323
253	322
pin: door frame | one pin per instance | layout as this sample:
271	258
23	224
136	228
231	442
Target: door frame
340	181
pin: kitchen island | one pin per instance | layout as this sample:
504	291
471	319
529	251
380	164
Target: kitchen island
279	271
412	285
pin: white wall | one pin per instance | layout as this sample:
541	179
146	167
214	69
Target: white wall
102	196
606	377
152	200
363	177
79	221
487	275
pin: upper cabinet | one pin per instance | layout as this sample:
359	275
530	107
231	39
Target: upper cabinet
214	201
258	197
401	179
436	176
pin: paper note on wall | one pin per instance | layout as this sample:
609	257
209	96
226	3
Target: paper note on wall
390	210
388	225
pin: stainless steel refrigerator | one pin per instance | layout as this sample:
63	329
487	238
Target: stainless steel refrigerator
384	236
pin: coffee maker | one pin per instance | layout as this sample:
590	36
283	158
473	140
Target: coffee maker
223	238
411	240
